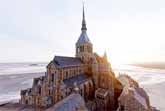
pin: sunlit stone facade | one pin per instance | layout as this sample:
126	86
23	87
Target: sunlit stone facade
88	72
91	73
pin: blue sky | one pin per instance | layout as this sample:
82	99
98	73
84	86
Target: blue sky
36	30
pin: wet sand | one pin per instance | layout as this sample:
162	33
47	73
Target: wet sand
10	85
18	107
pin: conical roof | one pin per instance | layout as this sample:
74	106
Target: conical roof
83	36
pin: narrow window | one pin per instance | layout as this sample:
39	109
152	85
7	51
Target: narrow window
66	74
122	107
83	48
78	49
39	90
52	78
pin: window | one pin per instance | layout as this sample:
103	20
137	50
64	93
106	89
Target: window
39	90
74	72
26	102
78	49
79	71
122	107
82	58
81	48
81	92
52	78
66	74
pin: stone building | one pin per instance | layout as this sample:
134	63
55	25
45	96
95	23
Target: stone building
91	73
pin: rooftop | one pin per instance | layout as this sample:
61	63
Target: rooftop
62	61
73	102
76	79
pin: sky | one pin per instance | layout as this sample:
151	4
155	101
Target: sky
37	30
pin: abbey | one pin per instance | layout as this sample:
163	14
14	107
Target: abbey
87	74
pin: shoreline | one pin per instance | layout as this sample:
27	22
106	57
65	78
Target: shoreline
10	85
15	74
150	66
20	81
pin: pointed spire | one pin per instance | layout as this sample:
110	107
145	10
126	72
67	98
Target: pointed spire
83	12
83	37
84	28
105	55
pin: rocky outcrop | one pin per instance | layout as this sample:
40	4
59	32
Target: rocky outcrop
132	98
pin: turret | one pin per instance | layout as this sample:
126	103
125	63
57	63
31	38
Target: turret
95	71
84	48
105	56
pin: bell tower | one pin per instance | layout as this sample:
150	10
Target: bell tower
84	48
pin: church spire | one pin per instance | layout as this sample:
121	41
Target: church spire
105	55
83	37
84	28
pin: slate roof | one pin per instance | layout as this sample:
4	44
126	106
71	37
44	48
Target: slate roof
83	38
29	91
61	61
23	92
36	80
76	79
73	102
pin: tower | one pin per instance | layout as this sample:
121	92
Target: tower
105	56
84	48
95	71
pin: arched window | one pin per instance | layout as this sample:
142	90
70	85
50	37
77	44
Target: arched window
49	92
26	101
122	107
78	49
52	77
85	91
79	71
66	74
39	90
81	48
82	57
74	72
81	92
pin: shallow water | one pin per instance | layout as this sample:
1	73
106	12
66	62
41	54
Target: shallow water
17	76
